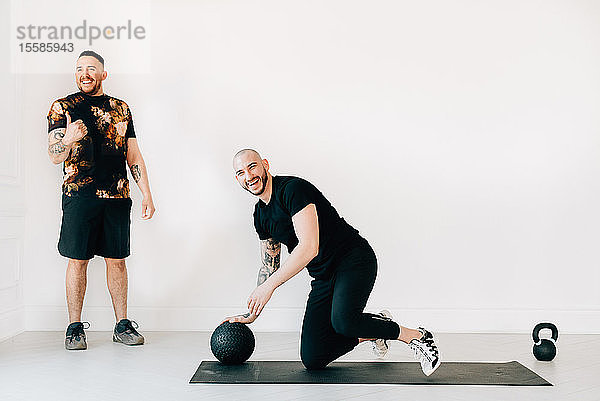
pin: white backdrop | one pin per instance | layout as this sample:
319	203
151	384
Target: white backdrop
12	196
461	138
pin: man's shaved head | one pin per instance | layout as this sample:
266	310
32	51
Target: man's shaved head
251	171
244	152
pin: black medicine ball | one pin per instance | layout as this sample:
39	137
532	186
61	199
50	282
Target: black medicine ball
232	343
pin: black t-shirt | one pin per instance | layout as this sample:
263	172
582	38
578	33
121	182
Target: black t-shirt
274	220
96	164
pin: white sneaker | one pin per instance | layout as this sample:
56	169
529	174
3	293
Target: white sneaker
380	346
426	352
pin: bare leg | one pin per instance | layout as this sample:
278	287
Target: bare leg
407	335
76	282
116	278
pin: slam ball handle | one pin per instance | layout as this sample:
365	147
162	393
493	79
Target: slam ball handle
540	326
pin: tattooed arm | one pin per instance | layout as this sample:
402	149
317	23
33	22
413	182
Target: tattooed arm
137	166
270	276
306	226
61	140
270	251
57	150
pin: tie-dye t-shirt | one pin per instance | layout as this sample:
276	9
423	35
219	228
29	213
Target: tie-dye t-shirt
96	164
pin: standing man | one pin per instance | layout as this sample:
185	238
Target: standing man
343	266
93	134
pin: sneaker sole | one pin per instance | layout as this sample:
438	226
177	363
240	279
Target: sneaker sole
80	347
434	369
76	348
116	340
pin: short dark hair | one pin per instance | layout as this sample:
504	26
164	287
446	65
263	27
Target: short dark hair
92	54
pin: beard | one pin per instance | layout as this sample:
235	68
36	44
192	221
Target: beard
264	178
94	90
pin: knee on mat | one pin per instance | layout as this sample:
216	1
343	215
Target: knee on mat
310	362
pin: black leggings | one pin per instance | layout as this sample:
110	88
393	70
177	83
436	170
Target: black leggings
334	318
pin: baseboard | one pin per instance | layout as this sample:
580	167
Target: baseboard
290	319
12	322
44	318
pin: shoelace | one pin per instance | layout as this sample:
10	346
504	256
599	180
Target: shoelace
428	342
419	355
129	328
77	331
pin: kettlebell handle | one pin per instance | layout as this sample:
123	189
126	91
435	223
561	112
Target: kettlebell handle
540	326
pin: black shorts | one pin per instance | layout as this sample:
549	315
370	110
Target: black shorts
94	226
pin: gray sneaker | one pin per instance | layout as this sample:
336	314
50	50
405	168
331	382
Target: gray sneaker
381	346
75	339
126	333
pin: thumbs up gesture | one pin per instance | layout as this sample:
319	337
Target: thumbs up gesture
74	132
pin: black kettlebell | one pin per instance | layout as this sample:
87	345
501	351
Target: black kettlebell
544	349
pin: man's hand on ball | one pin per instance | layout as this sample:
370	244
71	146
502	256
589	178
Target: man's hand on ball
245	318
259	298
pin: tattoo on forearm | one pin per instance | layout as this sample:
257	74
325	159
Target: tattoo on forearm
270	260
136	172
247	314
273	246
263	275
57	148
267	259
59	133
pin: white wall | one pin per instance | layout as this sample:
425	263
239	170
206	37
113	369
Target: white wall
461	138
12	198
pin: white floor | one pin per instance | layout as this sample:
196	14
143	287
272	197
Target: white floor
35	366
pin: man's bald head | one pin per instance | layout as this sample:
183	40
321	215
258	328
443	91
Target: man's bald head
248	152
251	171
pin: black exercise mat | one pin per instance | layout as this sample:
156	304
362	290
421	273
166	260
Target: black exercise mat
293	372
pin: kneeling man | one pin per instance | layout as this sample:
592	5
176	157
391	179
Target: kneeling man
292	211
